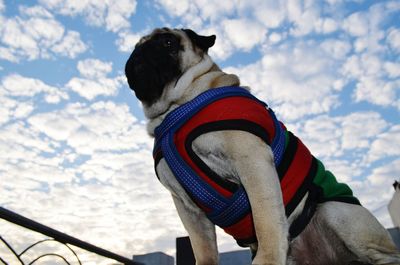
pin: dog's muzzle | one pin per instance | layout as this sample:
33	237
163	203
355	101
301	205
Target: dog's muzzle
152	65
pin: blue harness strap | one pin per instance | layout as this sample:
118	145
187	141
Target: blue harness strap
224	211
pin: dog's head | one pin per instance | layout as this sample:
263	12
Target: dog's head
161	58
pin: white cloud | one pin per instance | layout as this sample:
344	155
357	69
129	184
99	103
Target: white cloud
54	125
270	13
379	181
90	89
359	128
22	148
377	91
371	67
7	105
113	14
34	11
366	26
36	34
385	145
242	25
214	11
372	84
344	170
102	126
305	17
195	13
275	37
2	6
339	49
329	25
71	45
23	110
232	34
7	54
173	8
332	137
94	68
104	177
18	43
95	81
244	34
223	47
296	79
393	39
20	86
392	69
127	41
322	136
356	24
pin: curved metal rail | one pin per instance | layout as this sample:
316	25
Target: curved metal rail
55	236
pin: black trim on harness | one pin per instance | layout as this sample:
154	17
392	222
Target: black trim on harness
234	124
223	125
345	199
288	156
157	158
300	223
246	242
305	186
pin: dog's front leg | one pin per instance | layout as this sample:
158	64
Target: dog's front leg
253	160
201	233
201	230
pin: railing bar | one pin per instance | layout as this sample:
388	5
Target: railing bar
11	249
31	246
4	263
50	254
51	239
59	236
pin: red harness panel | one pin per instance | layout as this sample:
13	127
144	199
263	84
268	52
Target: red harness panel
231	108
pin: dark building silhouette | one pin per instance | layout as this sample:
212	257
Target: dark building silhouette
155	258
240	257
184	252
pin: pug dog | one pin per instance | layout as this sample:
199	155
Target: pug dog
239	184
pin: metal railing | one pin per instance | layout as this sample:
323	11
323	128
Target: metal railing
54	236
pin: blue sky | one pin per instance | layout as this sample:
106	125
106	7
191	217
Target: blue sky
74	149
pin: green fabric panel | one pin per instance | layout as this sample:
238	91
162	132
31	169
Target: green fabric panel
286	139
327	181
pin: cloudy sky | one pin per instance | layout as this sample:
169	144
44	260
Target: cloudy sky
74	153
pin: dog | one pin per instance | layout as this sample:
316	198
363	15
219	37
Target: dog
225	165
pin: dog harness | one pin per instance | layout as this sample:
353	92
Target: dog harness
226	203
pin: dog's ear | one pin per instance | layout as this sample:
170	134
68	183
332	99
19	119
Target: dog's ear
203	42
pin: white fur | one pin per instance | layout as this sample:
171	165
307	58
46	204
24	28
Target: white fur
175	90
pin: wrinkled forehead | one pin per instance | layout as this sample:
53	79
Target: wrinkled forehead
158	31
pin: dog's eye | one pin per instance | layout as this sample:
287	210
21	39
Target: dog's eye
168	43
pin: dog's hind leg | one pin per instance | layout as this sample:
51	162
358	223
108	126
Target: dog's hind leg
361	233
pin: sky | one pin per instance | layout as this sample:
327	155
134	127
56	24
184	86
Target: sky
74	152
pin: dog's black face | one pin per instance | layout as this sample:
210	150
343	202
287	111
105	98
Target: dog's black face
152	65
157	61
